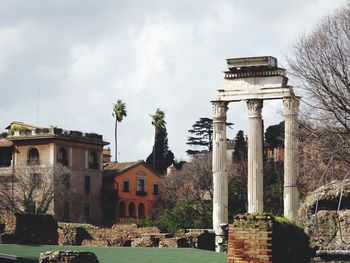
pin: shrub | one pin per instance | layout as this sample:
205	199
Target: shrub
181	217
290	243
145	223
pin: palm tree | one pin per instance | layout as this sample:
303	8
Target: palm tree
119	112
158	121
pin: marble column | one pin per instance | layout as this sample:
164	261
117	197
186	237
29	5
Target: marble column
255	156
220	181
290	192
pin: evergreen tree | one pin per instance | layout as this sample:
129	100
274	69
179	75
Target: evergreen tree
274	135
161	157
201	136
240	149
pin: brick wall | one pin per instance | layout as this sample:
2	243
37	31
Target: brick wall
262	238
250	239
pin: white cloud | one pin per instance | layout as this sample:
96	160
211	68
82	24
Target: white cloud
83	55
11	43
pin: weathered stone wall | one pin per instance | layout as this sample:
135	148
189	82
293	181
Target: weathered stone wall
36	229
328	229
132	236
30	229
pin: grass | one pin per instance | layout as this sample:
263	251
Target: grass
123	255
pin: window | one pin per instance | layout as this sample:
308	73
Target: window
62	156
86	211
5	156
66	211
141	186
87	183
33	156
121	209
155	189
131	210
141	211
126	186
93	163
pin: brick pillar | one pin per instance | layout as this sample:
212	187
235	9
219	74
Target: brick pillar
250	239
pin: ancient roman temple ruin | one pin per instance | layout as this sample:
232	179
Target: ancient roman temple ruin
253	79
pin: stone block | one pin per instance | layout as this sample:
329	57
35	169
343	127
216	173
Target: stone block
68	257
146	241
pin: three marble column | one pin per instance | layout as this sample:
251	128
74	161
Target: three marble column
255	161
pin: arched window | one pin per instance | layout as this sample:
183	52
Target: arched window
33	156
121	209
131	209
62	156
141	210
93	163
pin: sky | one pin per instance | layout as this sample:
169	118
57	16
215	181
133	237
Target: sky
65	62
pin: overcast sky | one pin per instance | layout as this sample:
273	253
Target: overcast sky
64	62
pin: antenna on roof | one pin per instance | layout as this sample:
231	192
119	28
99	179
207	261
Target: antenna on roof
37	107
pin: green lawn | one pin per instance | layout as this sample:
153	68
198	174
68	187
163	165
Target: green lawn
123	255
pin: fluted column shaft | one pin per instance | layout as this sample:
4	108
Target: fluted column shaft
290	192
255	157
220	181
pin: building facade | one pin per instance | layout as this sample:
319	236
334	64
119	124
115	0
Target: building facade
78	154
136	189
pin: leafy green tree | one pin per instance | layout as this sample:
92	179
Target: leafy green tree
119	112
192	184
182	216
161	157
201	136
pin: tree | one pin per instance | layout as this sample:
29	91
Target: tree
240	149
321	65
32	189
274	135
119	112
237	188
191	186
201	136
158	120
161	157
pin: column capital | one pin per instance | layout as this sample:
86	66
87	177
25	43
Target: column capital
290	105
219	111
254	108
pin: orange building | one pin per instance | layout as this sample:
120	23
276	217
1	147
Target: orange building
130	191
